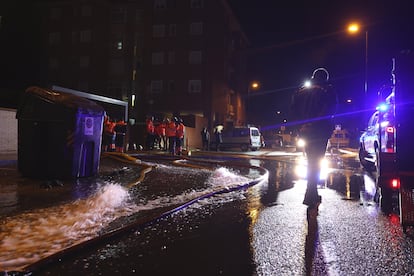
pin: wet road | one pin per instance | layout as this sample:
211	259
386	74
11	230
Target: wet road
260	230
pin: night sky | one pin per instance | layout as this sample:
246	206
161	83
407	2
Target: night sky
289	39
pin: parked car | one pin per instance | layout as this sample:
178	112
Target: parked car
272	141
377	153
244	138
370	140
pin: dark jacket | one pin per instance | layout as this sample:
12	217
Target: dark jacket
313	109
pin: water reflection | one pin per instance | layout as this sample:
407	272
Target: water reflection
31	236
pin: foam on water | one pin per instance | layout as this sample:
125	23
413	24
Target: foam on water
31	236
28	237
223	177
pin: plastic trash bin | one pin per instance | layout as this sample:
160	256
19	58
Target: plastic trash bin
59	135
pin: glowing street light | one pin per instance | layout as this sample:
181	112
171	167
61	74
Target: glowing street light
254	85
353	28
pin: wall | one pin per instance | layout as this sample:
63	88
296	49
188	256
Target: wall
8	130
192	134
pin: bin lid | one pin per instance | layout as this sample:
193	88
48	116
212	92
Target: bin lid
41	102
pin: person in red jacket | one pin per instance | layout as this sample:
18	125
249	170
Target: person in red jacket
120	131
150	133
180	136
109	135
160	133
171	133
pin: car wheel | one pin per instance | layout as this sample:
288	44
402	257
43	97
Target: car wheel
365	164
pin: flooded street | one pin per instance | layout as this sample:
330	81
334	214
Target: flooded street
213	215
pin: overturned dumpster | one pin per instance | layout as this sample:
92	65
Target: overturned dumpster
59	135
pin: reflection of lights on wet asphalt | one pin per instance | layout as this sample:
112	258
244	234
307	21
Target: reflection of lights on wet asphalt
369	185
324	164
301	167
302	164
29	237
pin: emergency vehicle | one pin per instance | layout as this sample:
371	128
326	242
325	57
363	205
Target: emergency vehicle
387	145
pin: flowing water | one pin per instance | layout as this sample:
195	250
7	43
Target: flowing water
31	236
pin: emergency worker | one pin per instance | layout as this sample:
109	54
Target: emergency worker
120	131
150	133
171	133
109	134
313	108
180	136
205	138
160	133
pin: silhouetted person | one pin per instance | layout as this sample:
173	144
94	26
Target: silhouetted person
205	138
218	136
313	108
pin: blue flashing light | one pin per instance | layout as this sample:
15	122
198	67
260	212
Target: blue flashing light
383	107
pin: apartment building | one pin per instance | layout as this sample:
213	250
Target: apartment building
165	57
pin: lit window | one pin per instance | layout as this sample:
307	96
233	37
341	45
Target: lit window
157	58
195	57
194	86
196	3
156	86
158	30
119	45
196	28
133	100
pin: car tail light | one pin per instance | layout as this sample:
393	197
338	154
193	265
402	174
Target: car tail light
395	183
389	130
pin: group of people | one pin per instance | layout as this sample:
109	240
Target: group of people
167	134
114	132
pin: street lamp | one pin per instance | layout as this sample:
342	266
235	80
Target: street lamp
354	28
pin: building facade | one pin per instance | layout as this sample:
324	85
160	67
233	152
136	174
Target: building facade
165	57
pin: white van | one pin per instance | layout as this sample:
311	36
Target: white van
244	138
